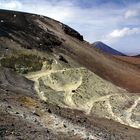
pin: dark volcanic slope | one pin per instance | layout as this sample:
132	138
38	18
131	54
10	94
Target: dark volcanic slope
28	44
106	49
24	116
24	29
32	31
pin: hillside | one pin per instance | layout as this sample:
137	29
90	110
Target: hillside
130	60
54	85
106	49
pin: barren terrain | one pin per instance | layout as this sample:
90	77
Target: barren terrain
130	60
54	85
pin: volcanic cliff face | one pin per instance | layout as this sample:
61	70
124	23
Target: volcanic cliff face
53	85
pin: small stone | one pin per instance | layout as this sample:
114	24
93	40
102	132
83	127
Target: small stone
36	114
9	106
49	111
48	131
6	90
64	125
126	128
12	124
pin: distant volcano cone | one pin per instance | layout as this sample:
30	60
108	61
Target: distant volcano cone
105	48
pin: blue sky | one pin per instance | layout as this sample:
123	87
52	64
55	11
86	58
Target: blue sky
115	22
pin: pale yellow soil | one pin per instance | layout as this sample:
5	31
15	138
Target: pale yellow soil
78	88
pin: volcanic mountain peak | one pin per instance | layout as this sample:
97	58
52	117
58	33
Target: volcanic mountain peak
105	48
54	85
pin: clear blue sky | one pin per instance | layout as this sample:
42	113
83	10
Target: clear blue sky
115	22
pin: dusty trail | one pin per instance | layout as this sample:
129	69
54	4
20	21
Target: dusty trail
69	86
93	100
68	93
113	115
129	114
89	105
35	76
55	124
75	100
40	94
42	73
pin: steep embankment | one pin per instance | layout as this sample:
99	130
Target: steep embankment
80	89
24	116
60	98
38	32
